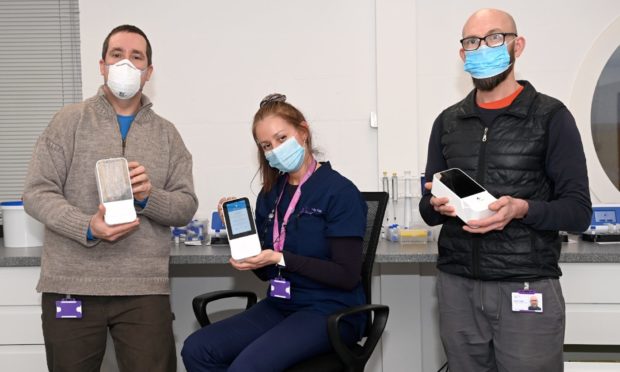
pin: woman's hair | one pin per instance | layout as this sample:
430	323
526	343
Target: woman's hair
276	105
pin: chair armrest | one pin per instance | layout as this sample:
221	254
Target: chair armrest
199	303
346	354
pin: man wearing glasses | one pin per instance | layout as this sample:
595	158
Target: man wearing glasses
525	149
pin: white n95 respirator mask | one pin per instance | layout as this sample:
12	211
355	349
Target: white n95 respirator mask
124	79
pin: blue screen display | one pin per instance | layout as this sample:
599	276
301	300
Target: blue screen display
239	217
605	216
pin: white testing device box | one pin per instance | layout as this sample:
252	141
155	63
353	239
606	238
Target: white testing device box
470	200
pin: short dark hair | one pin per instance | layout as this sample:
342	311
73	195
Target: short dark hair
131	29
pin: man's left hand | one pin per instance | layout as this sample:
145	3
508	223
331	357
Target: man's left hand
507	208
140	182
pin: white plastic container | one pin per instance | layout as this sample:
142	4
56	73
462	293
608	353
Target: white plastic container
20	230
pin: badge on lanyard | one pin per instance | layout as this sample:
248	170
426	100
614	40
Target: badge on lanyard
527	300
68	308
281	287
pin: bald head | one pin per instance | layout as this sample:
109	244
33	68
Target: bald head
488	21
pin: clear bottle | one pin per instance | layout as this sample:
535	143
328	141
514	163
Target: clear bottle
386	188
408	195
395	196
386	182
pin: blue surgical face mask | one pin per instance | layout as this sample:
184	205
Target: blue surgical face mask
486	62
287	157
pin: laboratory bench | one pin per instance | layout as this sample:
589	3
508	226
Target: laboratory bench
403	278
575	251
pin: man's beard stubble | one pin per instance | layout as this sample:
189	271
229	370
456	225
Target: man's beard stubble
491	83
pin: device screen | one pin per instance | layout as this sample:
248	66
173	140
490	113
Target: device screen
239	218
460	183
605	216
114	182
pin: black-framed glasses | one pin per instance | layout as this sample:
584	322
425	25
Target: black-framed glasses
492	41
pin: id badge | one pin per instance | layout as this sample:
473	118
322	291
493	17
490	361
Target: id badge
280	288
527	301
68	308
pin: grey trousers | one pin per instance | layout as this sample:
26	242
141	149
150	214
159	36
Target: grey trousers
481	333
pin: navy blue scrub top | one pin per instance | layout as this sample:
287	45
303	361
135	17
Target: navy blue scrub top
330	206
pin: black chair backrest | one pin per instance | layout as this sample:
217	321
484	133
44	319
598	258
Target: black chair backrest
377	202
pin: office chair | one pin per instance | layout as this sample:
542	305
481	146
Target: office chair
344	358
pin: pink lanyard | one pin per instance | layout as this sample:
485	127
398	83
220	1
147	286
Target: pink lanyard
279	235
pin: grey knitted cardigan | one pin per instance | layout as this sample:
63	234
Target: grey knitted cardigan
61	192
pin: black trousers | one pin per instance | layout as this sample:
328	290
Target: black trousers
140	326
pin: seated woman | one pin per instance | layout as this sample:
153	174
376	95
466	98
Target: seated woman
311	222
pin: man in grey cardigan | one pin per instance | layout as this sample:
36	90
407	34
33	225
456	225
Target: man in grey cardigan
119	274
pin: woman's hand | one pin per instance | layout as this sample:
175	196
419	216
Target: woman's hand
264	258
220	206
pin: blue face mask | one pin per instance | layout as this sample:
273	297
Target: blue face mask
287	157
486	62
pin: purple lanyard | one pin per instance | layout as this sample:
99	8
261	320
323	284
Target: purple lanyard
279	235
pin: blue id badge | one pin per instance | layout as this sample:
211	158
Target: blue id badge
68	308
280	288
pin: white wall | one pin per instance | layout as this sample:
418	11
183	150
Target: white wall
215	60
559	35
337	61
